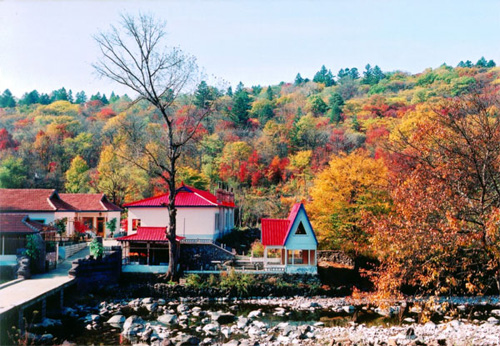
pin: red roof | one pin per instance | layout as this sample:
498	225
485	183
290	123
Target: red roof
18	223
88	202
156	234
275	231
49	200
27	199
187	196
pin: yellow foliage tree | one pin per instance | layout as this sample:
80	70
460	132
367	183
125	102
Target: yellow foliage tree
120	180
343	195
77	176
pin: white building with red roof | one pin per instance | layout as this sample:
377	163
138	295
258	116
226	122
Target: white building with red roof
202	218
200	214
83	211
290	244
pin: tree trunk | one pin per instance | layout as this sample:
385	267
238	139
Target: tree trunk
172	273
497	280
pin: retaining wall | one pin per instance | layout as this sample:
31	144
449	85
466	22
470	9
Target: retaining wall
196	257
92	274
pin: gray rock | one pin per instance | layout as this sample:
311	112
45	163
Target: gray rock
147	300
226	332
116	319
151	307
182	308
349	309
242	322
492	320
132	325
288	329
188	340
279	312
232	343
168	319
255	314
207	342
211	328
253	331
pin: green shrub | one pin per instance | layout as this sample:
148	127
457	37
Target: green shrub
96	248
194	280
241	283
32	250
111	225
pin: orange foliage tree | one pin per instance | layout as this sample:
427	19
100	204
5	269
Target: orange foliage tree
444	233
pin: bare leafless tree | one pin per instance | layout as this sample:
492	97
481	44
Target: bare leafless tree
135	55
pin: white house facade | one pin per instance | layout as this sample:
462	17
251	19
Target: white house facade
200	214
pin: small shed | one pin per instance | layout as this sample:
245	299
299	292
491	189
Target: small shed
149	246
290	245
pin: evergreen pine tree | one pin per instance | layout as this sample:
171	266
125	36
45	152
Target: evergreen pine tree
7	100
81	97
298	79
269	93
335	102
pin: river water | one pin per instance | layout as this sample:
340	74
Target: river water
86	323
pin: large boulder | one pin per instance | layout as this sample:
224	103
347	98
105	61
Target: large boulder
168	319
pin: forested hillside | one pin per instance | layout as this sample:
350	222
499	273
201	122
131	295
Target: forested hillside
398	166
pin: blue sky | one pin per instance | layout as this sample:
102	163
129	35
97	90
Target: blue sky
48	44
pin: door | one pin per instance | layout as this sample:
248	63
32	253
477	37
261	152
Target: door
100	227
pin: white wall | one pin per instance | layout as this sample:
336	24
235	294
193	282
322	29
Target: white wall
70	226
193	223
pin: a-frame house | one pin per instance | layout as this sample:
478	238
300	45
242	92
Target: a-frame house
290	245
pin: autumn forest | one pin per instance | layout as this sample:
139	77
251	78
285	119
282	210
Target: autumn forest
400	169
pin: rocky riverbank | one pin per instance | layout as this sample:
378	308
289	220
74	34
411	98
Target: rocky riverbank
287	321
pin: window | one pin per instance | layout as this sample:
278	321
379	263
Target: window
300	229
136	223
38	220
216	221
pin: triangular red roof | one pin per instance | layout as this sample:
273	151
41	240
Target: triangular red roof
156	234
187	196
276	231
